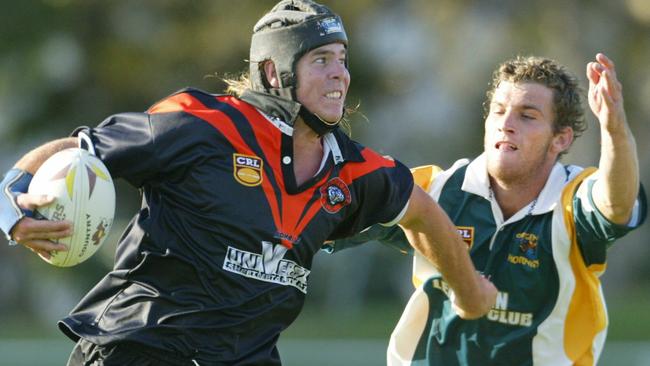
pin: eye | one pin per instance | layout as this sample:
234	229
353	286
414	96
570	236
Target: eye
320	60
527	116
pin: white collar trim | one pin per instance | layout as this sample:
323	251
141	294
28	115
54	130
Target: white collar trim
477	182
284	127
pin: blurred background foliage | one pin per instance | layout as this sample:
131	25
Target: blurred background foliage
419	73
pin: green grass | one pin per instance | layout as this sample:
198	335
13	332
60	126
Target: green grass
629	319
375	321
629	316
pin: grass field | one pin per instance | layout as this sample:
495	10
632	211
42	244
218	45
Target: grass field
322	339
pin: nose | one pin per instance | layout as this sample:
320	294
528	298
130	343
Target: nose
507	122
339	71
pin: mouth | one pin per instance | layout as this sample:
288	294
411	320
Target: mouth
505	146
334	95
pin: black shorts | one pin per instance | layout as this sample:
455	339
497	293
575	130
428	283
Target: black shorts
124	354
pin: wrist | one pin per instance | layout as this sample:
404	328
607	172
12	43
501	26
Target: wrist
15	182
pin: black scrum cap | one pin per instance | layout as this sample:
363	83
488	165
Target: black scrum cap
284	34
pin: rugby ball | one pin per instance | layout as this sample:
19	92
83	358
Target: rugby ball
85	196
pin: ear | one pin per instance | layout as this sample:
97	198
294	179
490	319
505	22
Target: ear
271	75
562	140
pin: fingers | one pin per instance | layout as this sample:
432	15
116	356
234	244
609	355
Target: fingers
32	201
28	229
605	61
38	235
45	247
611	91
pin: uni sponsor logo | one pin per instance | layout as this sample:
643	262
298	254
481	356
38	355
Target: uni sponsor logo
467	234
247	169
334	195
268	266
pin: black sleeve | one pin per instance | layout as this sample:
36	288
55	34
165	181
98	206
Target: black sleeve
125	143
385	195
382	194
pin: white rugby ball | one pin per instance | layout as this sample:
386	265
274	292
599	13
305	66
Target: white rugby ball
85	196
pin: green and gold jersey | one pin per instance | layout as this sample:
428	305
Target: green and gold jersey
545	261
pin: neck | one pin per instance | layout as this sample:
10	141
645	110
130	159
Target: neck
307	152
512	197
303	134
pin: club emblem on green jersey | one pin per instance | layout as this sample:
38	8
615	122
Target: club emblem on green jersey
527	244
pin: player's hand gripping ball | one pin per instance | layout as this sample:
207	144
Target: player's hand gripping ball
85	196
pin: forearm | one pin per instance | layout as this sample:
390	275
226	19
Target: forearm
31	161
618	184
432	233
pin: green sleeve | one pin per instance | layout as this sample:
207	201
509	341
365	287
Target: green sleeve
594	231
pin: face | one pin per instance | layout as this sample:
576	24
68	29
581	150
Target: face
519	140
323	81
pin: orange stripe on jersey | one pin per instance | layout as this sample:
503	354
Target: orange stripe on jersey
176	103
267	136
269	139
219	120
373	161
293	205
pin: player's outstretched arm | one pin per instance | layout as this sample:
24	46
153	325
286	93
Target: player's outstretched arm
617	187
431	232
33	234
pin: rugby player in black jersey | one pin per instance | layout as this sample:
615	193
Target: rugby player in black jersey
239	192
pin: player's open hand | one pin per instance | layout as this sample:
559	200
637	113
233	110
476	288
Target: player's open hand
605	93
38	235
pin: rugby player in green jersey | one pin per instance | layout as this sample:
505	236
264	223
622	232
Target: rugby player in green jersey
539	229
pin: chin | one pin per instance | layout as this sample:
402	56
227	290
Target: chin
502	170
331	117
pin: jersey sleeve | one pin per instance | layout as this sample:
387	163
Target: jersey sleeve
382	188
391	236
125	143
594	231
384	196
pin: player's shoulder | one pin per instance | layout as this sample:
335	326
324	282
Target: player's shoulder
187	98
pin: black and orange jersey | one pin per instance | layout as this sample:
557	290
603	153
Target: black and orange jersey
215	264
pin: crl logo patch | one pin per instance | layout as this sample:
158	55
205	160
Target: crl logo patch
247	169
467	234
335	195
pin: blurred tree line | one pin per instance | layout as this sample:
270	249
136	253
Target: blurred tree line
419	73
